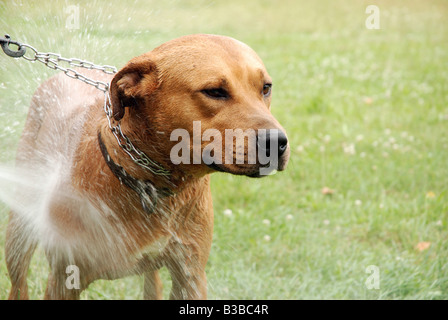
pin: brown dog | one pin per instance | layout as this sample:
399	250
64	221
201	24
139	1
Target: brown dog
104	211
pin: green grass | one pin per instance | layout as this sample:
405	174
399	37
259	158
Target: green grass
366	112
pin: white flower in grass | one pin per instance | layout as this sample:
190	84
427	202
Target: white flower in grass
267	238
289	217
227	212
266	222
349	148
358	202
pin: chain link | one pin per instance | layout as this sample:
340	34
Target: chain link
52	61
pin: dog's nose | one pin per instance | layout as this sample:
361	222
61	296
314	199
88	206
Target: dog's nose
282	143
273	139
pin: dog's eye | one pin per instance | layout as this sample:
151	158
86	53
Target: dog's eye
216	93
267	89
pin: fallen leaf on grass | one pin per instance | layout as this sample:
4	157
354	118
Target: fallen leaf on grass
327	191
368	100
421	246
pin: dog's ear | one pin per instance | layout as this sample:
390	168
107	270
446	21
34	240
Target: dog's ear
132	83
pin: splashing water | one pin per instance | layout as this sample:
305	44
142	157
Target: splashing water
97	31
86	31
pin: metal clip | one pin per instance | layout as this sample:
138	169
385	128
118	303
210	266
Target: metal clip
5	42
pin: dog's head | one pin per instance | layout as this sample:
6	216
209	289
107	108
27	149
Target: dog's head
202	102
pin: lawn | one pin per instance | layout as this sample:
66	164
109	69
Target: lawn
366	112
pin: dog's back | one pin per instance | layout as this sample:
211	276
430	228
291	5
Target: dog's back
56	117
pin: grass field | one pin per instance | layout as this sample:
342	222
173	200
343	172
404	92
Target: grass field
366	112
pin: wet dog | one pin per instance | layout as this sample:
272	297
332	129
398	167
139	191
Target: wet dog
111	201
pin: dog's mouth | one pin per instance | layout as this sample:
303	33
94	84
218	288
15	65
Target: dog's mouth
264	153
260	168
251	171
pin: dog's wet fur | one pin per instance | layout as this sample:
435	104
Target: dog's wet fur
93	221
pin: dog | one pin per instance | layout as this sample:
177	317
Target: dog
110	201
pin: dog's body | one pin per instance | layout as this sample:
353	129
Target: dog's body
90	218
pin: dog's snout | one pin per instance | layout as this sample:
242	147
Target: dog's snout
273	139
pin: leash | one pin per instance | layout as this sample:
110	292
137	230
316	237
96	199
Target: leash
53	61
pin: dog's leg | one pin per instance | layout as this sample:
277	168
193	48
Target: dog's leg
189	251
188	284
57	289
152	288
64	283
187	271
19	248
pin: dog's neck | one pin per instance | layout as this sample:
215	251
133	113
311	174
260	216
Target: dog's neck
145	189
148	186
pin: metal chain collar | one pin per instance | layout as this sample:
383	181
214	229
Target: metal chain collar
138	156
52	61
